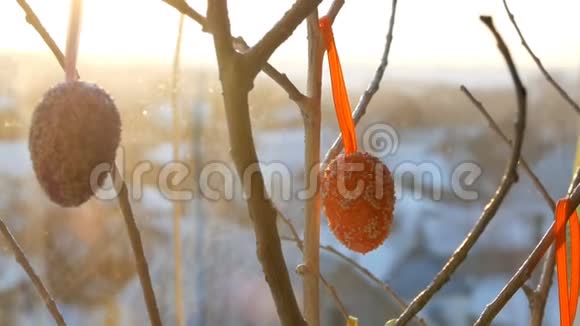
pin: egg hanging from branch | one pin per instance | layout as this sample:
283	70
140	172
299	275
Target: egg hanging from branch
358	193
75	128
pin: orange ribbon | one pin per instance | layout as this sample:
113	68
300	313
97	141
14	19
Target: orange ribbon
568	297
339	93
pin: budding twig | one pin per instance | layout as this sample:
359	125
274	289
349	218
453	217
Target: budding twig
72	40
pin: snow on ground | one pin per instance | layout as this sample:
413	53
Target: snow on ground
162	154
11	274
7	104
15	159
425	231
517	311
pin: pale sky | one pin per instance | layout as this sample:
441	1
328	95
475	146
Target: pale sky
442	33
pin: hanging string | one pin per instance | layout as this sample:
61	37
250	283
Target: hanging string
339	93
72	40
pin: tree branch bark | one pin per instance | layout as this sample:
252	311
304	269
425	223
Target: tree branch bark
36	281
240	45
279	33
539	296
311	114
508	179
236	83
538	62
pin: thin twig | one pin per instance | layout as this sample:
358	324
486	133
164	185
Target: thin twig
495	127
241	46
311	115
538	62
373	87
539	296
177	204
137	245
526	269
331	290
72	40
372	277
281	79
361	269
33	20
259	54
40	288
334	295
508	179
185	9
334	9
538	305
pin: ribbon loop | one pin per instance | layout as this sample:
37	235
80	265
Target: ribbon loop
339	93
568	297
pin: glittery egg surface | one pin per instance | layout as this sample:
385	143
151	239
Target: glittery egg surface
74	129
358	198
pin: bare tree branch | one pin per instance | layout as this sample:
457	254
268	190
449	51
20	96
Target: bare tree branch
241	46
538	62
331	290
364	271
185	9
495	127
33	20
25	264
218	23
546	277
538	305
139	253
373	87
236	83
281	79
259	54
334	9
526	269
509	177
311	115
539	296
72	40
334	295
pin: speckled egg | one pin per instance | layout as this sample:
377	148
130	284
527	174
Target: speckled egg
75	127
358	198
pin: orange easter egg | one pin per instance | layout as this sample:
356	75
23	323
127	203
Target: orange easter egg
358	197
